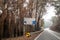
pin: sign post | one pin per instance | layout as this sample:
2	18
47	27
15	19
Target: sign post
27	22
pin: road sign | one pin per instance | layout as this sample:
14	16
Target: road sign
29	21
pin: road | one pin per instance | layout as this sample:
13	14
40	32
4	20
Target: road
48	34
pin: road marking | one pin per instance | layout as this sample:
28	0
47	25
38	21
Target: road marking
38	36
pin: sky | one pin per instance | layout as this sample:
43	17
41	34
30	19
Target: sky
50	12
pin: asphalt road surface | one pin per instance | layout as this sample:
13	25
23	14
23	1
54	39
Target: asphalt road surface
48	34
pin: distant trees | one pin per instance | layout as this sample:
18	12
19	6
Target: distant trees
56	24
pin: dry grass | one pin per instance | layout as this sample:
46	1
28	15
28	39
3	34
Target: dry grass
33	35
